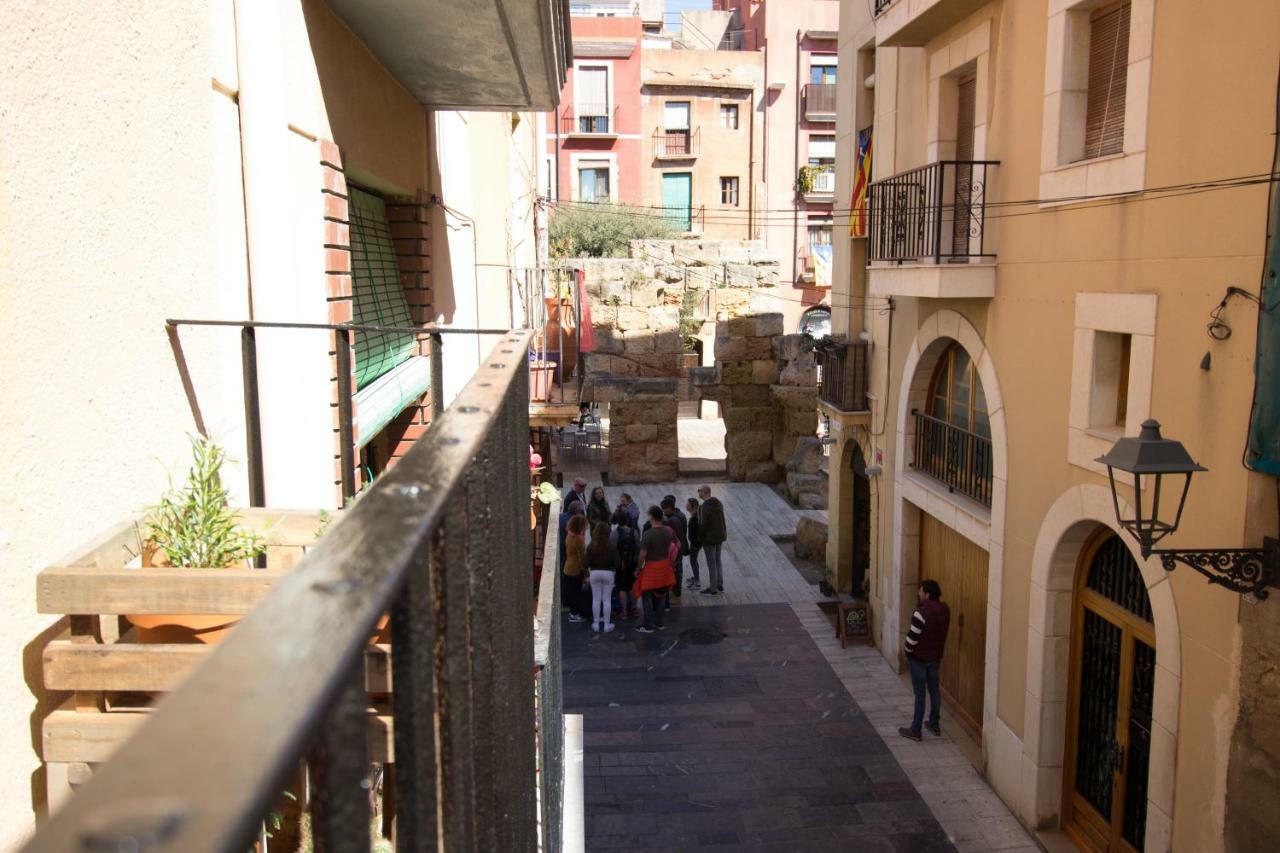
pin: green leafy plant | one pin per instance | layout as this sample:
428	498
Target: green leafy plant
689	325
194	526
604	230
804	181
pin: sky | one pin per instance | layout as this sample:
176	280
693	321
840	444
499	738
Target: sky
675	7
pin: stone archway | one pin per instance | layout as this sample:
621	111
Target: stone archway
1075	516
984	527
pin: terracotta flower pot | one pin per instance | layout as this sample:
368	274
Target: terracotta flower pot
182	627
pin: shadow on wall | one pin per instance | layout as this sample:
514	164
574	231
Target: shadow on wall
46	701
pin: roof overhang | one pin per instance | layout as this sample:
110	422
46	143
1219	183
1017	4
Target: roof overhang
698	83
477	55
599	48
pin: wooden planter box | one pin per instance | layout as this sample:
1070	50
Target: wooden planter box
113	679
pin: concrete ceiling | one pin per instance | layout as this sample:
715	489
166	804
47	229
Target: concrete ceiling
468	54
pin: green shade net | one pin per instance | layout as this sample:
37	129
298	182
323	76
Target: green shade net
379	298
1263	451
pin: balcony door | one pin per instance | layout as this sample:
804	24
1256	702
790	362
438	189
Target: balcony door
675	130
1113	665
966	101
960	568
592	99
953	433
677	198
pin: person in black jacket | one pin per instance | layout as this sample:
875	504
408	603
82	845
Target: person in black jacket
695	541
676	520
926	640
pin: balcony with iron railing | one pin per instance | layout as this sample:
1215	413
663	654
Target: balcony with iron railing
468	714
820	102
675	144
843	376
589	120
913	23
927	234
817	184
957	458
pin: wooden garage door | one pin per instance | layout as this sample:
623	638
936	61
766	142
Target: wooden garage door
960	567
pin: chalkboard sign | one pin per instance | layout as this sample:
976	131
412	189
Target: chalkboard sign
853	623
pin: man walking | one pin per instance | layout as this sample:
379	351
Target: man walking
926	640
712	532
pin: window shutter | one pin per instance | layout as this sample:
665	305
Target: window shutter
1108	74
378	295
593	91
676	115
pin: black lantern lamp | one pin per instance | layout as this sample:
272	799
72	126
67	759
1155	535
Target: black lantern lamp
1149	459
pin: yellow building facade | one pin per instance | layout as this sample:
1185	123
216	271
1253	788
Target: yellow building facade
1060	198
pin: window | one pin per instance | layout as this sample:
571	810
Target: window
593	184
822	69
592	98
956	396
375	284
729	116
820	235
1108	76
822	149
1109	394
729	191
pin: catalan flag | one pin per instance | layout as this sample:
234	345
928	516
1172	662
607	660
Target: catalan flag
861	182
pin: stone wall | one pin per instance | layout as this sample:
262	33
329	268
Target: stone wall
644	446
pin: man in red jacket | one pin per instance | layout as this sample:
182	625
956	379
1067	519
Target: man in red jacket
926	640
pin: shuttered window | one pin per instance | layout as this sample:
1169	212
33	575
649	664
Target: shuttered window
379	298
1108	73
593	91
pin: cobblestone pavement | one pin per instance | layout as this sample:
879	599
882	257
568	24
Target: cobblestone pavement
729	731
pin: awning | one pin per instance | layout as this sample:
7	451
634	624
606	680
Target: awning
378	403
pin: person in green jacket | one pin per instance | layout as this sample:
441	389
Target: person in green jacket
712	533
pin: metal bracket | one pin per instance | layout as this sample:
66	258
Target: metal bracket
1242	570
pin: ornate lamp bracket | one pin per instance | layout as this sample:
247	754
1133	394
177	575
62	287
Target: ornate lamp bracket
1242	570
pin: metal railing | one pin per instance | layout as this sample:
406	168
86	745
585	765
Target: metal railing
548	689
431	543
936	212
957	457
589	119
842	368
881	5
675	143
820	101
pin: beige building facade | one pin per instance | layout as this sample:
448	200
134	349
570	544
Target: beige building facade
700	110
1035	283
209	161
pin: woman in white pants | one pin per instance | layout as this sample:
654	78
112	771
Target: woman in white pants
602	564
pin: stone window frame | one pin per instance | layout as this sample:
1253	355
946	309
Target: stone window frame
1066	83
969	52
1133	314
607	65
575	163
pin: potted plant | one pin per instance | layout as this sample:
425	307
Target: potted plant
544	492
194	528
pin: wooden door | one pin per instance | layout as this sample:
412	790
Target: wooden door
960	568
1113	663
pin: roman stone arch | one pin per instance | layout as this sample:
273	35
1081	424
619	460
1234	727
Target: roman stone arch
1072	519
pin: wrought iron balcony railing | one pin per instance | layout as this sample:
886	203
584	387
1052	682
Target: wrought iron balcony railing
431	543
589	120
935	213
672	144
821	180
881	5
820	102
842	368
958	458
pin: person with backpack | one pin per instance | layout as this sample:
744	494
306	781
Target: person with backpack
626	539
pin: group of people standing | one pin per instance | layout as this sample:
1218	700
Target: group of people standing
615	563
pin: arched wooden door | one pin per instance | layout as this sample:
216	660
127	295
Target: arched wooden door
1113	665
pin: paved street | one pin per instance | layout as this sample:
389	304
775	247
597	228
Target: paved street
749	742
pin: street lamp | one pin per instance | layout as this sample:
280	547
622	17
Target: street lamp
1149	459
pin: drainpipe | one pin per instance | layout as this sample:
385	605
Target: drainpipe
751	169
795	172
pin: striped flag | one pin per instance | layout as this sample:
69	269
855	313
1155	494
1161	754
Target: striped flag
861	182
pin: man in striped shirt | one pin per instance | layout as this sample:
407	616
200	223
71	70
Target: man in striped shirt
926	640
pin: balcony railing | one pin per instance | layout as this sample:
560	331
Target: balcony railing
820	102
675	144
935	213
821	181
430	543
842	368
881	5
958	458
589	120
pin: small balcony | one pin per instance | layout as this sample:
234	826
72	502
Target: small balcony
913	23
842	376
959	459
927	236
820	102
675	144
589	121
817	184
814	264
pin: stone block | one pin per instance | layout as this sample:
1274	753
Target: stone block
763	472
669	273
606	391
735	300
798	483
656	250
665	317
768	325
807	458
637	342
742	327
758	348
604	316
686	360
749	395
801	423
609	341
624	367
641	432
669	435
741	275
794	397
729	348
653	392
668	341
736	373
811	539
631	319
717	393
810	500
703	376
646	295
657	365
754	446
764	372
749	418
790	347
